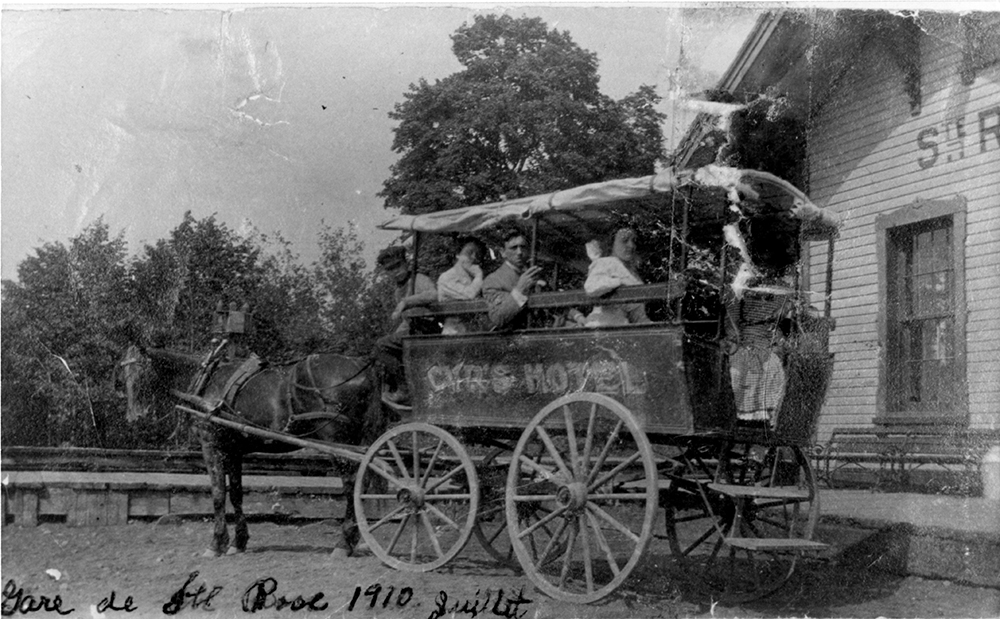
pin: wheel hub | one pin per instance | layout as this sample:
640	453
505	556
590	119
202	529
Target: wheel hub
573	495
411	496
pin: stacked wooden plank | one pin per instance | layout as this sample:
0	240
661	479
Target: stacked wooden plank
112	495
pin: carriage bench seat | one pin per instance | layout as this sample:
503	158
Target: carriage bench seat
892	454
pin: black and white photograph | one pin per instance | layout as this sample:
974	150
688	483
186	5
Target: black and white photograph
530	310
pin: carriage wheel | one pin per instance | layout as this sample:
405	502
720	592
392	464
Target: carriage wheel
491	523
765	494
416	498
581	497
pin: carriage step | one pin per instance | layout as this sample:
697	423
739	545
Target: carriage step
761	492
756	543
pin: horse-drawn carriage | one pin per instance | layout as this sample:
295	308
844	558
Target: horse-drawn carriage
555	446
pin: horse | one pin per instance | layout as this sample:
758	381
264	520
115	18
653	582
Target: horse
323	397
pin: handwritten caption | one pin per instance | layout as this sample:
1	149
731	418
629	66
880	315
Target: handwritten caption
264	595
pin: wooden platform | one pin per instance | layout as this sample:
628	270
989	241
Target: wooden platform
105	498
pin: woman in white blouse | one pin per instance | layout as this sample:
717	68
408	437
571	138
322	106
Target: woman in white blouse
607	273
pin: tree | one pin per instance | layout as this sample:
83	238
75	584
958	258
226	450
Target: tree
525	116
59	347
353	303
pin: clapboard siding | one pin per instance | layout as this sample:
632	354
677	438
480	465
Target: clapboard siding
864	160
864	201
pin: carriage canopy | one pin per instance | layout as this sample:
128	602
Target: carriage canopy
707	193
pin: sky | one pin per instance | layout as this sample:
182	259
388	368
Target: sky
271	118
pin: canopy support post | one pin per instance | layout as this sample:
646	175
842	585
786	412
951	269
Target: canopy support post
413	267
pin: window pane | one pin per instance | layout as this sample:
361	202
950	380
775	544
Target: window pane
937	340
932	293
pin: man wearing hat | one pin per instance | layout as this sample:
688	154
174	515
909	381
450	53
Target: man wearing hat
409	292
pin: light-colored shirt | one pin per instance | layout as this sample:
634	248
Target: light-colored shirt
603	276
457	284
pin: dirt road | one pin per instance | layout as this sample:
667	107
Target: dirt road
150	570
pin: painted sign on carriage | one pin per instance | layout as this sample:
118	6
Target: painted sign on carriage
505	379
555	378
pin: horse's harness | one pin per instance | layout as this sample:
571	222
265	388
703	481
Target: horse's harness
254	365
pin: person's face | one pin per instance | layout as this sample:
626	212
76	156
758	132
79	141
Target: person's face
624	247
469	256
399	272
515	251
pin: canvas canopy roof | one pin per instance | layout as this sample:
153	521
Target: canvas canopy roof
708	192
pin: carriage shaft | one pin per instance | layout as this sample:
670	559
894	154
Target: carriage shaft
348	452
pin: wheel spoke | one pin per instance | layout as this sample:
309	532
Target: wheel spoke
548	547
603	543
413	543
617	496
441	480
550	446
493	538
574	458
613	522
534	498
387	518
604	452
567	556
701	539
397	534
431	534
534	466
378	468
440	514
610	474
588	443
416	456
588	569
433	461
391	444
542	522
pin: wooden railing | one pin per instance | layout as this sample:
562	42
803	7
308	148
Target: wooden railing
554	300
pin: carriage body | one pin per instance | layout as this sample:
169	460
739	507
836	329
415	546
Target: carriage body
573	414
672	384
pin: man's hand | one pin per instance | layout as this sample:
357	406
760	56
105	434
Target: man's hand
527	280
476	271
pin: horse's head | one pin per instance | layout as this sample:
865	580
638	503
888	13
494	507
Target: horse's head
150	373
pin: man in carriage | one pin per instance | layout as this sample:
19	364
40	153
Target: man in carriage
506	289
411	290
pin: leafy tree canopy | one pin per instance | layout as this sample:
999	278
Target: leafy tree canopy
524	116
77	305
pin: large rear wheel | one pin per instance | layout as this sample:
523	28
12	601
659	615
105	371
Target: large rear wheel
581	497
416	497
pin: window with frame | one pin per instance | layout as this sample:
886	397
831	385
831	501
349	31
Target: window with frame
923	371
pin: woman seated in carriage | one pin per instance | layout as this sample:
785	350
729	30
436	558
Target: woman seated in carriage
608	273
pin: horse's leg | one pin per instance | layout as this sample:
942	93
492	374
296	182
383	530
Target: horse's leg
234	469
349	525
217	475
